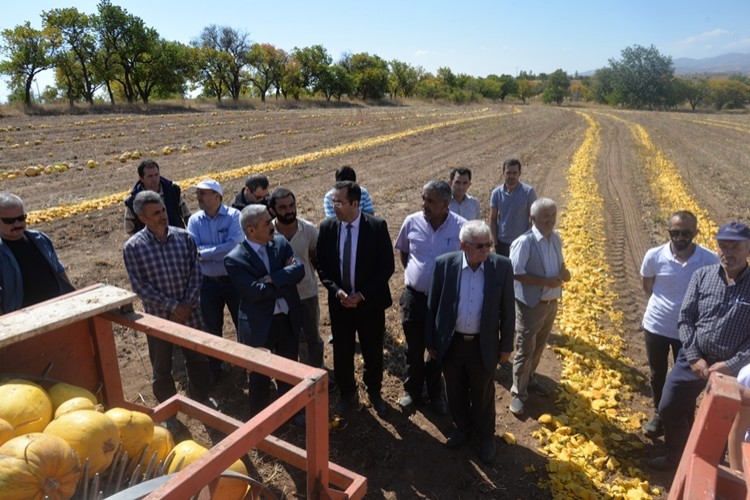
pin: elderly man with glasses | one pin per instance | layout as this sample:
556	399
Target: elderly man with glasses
30	271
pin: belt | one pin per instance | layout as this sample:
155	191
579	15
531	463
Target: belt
218	279
468	337
551	301
414	290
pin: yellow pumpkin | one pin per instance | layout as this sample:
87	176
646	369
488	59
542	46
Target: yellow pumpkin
162	443
189	451
25	406
19	480
92	435
136	430
6	431
62	392
75	404
51	460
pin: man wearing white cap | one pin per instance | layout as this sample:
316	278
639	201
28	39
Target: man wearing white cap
216	231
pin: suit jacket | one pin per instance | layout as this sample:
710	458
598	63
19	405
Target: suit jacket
258	299
498	322
374	265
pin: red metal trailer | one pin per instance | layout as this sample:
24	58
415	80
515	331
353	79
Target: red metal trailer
73	334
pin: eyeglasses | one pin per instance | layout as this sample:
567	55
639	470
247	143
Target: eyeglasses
685	233
479	246
13	220
339	204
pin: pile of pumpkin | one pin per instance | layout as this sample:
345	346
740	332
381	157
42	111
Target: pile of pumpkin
46	437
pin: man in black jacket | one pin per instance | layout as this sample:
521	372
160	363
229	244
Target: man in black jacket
149	180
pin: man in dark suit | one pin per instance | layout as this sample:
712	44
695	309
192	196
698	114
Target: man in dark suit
265	272
355	261
470	327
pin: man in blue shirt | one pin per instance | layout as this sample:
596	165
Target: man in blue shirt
347	173
30	271
714	328
510	207
216	231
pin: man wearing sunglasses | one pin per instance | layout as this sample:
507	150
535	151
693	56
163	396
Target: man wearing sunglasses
666	272
539	272
469	330
30	271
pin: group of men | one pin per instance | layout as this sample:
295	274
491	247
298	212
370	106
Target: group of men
464	308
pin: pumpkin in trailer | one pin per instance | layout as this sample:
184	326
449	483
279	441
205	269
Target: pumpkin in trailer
136	429
52	468
62	392
6	431
92	435
189	451
25	406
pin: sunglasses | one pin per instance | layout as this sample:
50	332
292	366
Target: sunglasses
685	233
478	246
12	220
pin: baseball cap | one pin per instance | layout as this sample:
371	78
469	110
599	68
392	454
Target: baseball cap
210	184
735	231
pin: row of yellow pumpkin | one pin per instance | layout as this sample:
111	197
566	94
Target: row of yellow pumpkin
41	457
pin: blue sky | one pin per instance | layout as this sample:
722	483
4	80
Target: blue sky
470	36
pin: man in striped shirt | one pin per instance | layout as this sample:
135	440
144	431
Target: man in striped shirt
162	264
714	328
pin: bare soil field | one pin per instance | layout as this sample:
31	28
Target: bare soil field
403	455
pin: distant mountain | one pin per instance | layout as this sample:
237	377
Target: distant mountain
726	64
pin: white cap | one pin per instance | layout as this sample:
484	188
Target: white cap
210	184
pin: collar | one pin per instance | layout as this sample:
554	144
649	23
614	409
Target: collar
538	234
354	223
255	246
465	264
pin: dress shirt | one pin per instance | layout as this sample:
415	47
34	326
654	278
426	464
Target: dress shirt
715	318
671	279
215	237
424	244
356	223
281	306
470	298
164	274
519	256
365	203
303	241
468	209
513	209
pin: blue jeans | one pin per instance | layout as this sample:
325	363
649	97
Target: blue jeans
216	292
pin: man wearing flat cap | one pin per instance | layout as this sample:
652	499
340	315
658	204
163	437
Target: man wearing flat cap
216	231
714	327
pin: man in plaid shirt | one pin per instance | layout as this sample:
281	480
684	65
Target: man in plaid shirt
162	264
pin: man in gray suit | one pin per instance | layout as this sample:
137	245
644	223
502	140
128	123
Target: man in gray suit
470	324
539	272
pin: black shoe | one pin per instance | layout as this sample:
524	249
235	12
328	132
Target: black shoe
438	406
380	406
538	389
663	463
487	450
457	438
345	405
172	425
654	428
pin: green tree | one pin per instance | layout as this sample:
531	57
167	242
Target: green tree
30	51
404	78
292	79
267	63
313	62
642	78
557	87
77	57
526	89
728	93
165	71
223	59
369	73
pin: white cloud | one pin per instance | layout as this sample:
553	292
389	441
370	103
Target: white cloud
702	37
421	52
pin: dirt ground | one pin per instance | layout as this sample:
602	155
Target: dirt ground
403	455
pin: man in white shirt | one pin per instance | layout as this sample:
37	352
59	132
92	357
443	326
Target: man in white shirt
666	272
462	203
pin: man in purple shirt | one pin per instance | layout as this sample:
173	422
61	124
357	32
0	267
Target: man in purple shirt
510	207
424	236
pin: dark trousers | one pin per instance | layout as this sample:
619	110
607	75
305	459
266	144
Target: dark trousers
657	353
470	387
162	382
502	248
346	324
310	322
413	320
677	406
215	294
281	341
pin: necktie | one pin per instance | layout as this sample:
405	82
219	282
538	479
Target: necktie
264	257
346	261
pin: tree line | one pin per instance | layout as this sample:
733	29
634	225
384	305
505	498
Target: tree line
112	53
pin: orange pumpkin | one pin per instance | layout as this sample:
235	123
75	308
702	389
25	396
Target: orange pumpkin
6	431
189	451
50	461
25	406
92	435
62	392
136	430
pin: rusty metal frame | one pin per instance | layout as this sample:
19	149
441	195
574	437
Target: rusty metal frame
309	388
